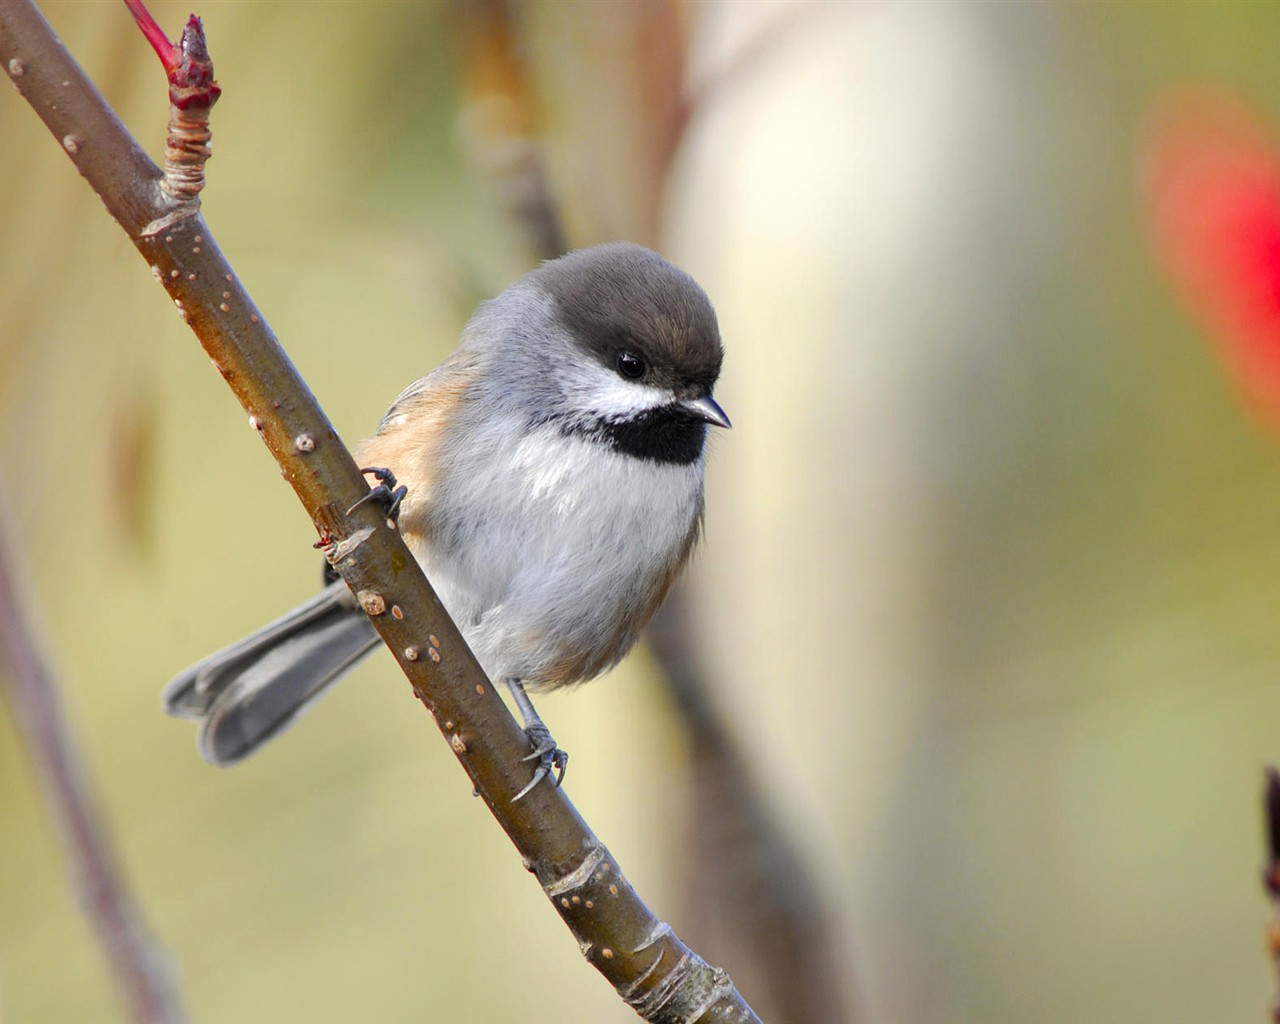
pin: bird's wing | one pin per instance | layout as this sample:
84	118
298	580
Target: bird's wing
409	437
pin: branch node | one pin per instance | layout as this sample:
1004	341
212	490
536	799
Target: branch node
193	90
192	93
336	552
578	877
176	215
372	602
689	990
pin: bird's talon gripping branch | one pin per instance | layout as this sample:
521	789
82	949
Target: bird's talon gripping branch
549	756
387	494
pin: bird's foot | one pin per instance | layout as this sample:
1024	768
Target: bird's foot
549	757
386	494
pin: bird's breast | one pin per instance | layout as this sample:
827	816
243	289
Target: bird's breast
552	551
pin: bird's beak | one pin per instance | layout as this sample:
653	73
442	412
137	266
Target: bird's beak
705	408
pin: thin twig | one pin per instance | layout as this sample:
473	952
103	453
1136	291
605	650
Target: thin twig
139	967
639	954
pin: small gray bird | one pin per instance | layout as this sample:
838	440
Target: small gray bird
551	486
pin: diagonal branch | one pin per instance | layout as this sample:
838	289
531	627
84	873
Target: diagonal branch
639	954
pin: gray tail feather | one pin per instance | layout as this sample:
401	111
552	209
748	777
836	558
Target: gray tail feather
244	694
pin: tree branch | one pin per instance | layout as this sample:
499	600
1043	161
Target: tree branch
640	955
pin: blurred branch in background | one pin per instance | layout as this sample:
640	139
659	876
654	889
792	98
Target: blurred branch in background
762	910
139	967
763	907
499	125
1271	871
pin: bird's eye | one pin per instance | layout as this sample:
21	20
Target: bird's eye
630	366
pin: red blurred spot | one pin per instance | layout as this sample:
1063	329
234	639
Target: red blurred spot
1213	184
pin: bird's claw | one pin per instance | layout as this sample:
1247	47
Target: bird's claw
549	757
386	493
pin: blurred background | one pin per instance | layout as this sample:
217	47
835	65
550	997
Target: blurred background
988	602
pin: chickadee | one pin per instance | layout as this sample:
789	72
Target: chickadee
552	490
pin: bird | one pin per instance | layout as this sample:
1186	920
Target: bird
549	478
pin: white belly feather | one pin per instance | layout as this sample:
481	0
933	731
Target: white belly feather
579	539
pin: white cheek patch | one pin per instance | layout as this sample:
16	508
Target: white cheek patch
597	392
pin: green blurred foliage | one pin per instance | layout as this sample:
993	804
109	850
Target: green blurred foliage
992	566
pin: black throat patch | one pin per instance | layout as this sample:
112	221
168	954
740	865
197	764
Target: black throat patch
668	434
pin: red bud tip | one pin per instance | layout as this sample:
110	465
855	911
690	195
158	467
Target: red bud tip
195	47
191	82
